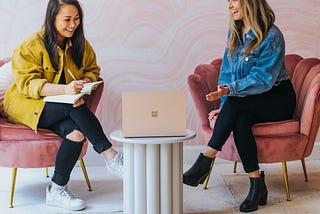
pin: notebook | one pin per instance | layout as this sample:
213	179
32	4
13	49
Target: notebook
73	98
154	113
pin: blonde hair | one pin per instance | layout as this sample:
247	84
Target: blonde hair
259	16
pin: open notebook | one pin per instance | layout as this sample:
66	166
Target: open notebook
73	98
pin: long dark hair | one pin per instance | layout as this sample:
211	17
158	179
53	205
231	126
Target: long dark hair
50	34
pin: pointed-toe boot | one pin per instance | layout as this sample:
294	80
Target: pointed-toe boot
198	172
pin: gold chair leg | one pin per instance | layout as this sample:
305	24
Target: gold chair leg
47	172
304	170
208	176
85	174
235	167
13	184
286	181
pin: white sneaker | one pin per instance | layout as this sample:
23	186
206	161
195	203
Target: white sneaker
115	165
62	197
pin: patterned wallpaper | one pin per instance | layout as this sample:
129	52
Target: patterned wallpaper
156	44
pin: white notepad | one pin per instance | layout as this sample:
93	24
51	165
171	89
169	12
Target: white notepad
73	98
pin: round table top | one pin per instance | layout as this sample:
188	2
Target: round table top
117	136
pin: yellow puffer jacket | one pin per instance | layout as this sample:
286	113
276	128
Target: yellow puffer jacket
32	68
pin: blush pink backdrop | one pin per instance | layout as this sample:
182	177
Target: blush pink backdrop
156	44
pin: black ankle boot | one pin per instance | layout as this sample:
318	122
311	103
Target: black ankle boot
198	172
257	195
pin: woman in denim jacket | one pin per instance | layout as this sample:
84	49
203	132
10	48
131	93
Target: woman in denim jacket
254	87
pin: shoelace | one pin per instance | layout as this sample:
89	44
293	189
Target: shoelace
64	191
114	159
115	165
120	159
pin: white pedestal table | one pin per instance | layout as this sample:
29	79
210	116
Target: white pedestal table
152	181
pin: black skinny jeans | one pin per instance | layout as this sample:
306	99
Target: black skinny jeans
239	114
63	119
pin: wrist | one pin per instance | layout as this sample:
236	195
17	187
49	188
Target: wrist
64	89
226	90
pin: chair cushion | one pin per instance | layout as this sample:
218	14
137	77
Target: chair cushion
28	154
14	132
285	127
6	78
279	128
22	147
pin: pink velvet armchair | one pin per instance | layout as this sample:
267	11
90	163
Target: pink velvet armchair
281	141
21	147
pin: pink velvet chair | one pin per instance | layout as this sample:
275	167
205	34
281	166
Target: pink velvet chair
281	141
21	147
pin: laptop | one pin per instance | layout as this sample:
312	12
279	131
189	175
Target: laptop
154	113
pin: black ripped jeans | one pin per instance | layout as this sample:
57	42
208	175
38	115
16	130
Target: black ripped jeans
63	119
239	114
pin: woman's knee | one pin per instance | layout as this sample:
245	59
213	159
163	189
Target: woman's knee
243	126
76	136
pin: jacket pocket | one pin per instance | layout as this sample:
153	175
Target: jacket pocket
49	73
248	61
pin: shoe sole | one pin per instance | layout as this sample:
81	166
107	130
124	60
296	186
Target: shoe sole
72	209
201	181
191	184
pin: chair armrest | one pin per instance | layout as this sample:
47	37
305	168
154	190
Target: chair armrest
200	84
94	98
291	61
4	61
308	106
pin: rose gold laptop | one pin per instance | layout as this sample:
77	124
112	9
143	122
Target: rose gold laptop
154	113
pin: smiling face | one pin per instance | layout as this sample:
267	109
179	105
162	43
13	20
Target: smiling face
66	21
235	10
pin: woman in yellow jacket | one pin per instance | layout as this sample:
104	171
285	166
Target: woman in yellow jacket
39	65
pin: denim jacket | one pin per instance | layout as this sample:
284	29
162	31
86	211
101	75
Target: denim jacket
257	71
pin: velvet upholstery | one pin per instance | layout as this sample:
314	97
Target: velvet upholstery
21	147
276	141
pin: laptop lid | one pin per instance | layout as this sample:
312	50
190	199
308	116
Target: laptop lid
154	113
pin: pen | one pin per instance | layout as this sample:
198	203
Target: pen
71	74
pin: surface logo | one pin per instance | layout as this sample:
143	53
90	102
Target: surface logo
154	113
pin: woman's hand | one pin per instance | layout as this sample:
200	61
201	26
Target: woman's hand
74	87
215	95
213	114
86	80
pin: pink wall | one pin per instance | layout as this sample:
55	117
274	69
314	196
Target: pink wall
155	44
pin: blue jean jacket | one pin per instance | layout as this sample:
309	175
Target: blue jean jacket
257	71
